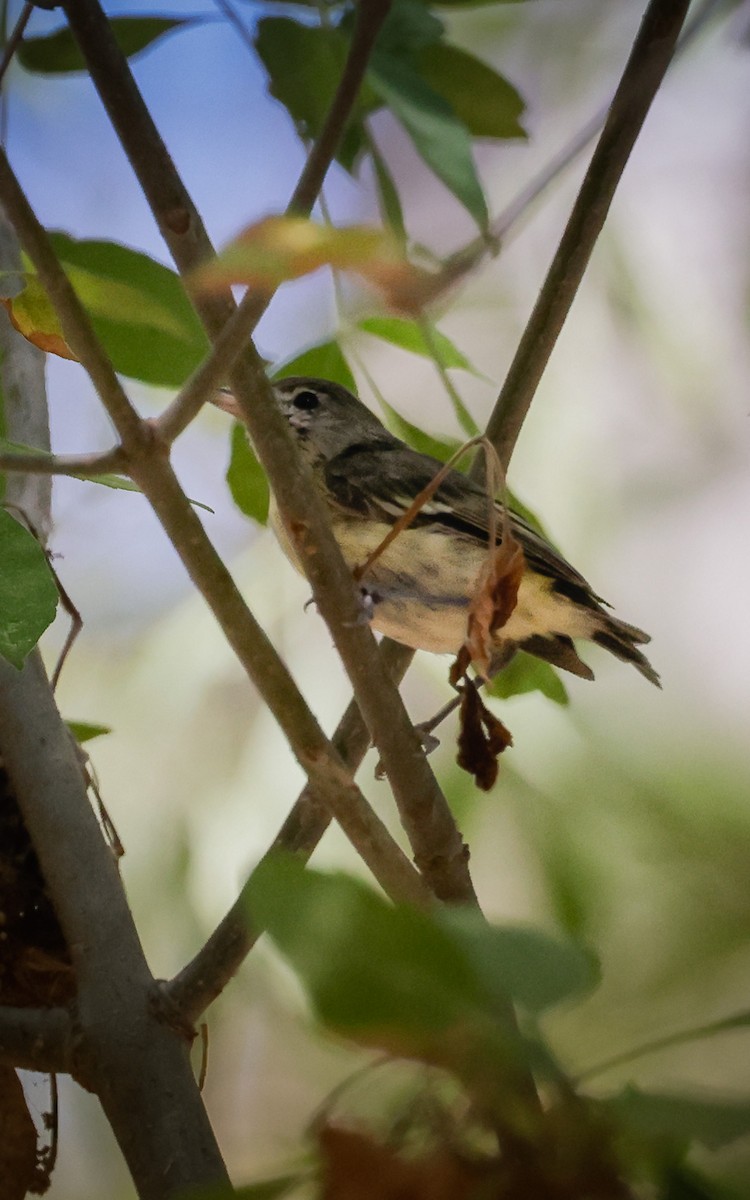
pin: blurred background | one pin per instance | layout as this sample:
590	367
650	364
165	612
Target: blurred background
625	817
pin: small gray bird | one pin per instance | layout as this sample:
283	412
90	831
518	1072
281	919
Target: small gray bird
418	591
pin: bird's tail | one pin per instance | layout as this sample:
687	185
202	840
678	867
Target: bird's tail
623	641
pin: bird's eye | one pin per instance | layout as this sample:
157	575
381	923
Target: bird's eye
306	400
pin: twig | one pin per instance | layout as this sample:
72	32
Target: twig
369	18
740	1020
468	258
17	33
77	465
651	54
236	22
36	1039
132	1061
207	974
236	331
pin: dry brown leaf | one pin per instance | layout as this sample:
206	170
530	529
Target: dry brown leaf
18	1139
356	1167
481	740
494	599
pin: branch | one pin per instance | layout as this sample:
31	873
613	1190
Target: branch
37	1039
23	401
370	15
139	1068
207	974
369	18
439	850
76	465
651	54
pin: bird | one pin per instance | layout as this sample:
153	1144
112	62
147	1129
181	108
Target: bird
419	589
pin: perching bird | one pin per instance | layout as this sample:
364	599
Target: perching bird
418	591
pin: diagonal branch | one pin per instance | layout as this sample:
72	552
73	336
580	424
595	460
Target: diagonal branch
83	465
204	978
370	15
424	811
651	55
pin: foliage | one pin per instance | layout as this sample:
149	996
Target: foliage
462	1000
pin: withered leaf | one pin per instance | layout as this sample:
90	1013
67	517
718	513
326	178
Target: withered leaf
357	1167
18	1139
482	738
494	599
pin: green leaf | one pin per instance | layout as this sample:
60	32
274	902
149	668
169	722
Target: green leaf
438	135
246	478
711	1122
525	673
381	974
417	438
408	335
517	506
139	309
487	104
324	361
537	970
304	64
28	593
57	53
86	731
408	28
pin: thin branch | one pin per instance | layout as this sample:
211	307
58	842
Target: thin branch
76	465
24	402
740	1020
651	55
74	320
36	1039
231	339
236	22
439	850
207	974
135	1064
13	41
465	260
369	18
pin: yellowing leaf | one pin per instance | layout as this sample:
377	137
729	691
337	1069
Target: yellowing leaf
278	249
32	314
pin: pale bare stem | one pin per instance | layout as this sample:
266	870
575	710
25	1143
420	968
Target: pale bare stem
80	466
466	260
14	40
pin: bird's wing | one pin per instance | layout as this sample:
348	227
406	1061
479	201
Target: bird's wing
380	480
